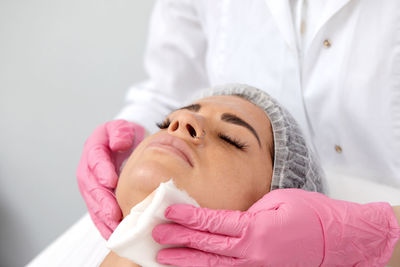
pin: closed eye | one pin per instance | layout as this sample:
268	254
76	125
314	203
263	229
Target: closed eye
233	141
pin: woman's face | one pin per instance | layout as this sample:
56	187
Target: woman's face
228	167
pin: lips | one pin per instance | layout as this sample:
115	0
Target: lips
173	145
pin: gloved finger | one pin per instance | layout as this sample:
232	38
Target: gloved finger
105	206
178	235
192	257
98	221
223	222
120	158
121	134
101	201
104	211
99	161
104	230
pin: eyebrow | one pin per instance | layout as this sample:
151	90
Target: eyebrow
227	117
192	107
231	118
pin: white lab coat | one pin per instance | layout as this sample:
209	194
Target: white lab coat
344	89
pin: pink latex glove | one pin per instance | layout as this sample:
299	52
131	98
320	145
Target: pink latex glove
98	170
287	227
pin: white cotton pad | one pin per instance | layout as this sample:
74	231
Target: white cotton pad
132	238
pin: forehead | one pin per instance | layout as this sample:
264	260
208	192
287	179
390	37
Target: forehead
234	104
241	107
227	101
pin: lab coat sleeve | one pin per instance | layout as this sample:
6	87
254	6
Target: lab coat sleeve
174	62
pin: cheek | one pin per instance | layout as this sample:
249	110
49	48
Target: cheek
233	182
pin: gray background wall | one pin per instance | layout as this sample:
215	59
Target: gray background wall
64	68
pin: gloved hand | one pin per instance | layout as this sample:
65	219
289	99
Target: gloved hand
287	227
98	170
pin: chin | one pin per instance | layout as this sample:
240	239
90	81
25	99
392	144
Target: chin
148	176
136	183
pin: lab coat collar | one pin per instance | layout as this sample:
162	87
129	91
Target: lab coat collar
331	8
281	12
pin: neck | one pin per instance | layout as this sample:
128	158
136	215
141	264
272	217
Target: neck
113	260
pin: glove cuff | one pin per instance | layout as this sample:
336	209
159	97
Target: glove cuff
363	235
392	232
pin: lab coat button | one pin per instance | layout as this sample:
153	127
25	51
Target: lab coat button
302	28
338	149
327	43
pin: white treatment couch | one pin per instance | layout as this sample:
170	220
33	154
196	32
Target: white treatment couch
82	245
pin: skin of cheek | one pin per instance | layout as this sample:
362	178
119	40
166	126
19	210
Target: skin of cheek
230	184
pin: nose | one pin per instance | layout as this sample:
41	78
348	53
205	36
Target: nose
188	126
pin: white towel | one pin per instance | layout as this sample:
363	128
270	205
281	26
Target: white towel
132	238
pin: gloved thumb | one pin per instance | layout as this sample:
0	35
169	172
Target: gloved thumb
223	222
121	134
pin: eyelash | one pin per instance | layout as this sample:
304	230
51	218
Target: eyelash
232	141
163	125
